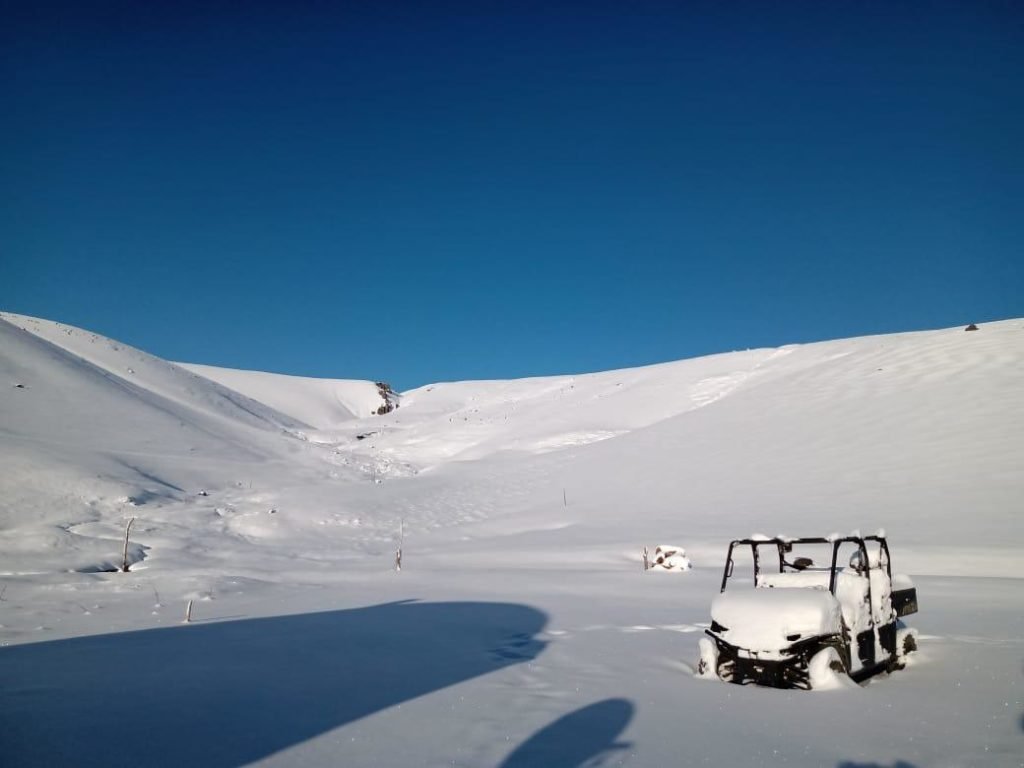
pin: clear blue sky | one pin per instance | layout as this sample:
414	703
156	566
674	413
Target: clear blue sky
427	191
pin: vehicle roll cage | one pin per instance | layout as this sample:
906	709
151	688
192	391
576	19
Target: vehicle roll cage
783	546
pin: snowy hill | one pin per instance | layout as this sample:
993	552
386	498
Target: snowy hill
320	403
132	368
261	495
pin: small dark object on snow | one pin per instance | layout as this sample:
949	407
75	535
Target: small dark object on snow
388	395
203	493
19	386
971	327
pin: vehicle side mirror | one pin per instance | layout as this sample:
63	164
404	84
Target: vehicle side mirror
802	563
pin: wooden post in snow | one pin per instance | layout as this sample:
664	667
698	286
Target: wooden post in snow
401	541
124	554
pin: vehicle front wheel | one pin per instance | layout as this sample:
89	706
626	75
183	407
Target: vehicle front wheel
827	670
707	666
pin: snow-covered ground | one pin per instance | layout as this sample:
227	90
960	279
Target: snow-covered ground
521	630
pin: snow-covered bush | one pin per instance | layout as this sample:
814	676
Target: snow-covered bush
669	558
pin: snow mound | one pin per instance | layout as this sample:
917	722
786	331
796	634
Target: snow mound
669	558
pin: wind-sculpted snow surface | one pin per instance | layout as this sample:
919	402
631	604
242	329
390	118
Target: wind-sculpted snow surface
275	505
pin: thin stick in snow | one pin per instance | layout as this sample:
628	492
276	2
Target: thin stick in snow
124	557
188	612
401	542
564	502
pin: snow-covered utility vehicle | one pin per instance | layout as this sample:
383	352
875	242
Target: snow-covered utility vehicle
797	624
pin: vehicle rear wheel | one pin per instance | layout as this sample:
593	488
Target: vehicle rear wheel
909	644
906	642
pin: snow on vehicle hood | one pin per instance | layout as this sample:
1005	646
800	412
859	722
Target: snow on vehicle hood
764	619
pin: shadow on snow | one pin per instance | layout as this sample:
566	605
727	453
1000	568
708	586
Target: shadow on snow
584	736
225	694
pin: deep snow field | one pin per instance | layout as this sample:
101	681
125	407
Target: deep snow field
521	630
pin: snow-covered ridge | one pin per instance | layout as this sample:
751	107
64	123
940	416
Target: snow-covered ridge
319	403
139	369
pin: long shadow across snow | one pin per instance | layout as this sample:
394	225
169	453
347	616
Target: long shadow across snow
226	694
586	736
